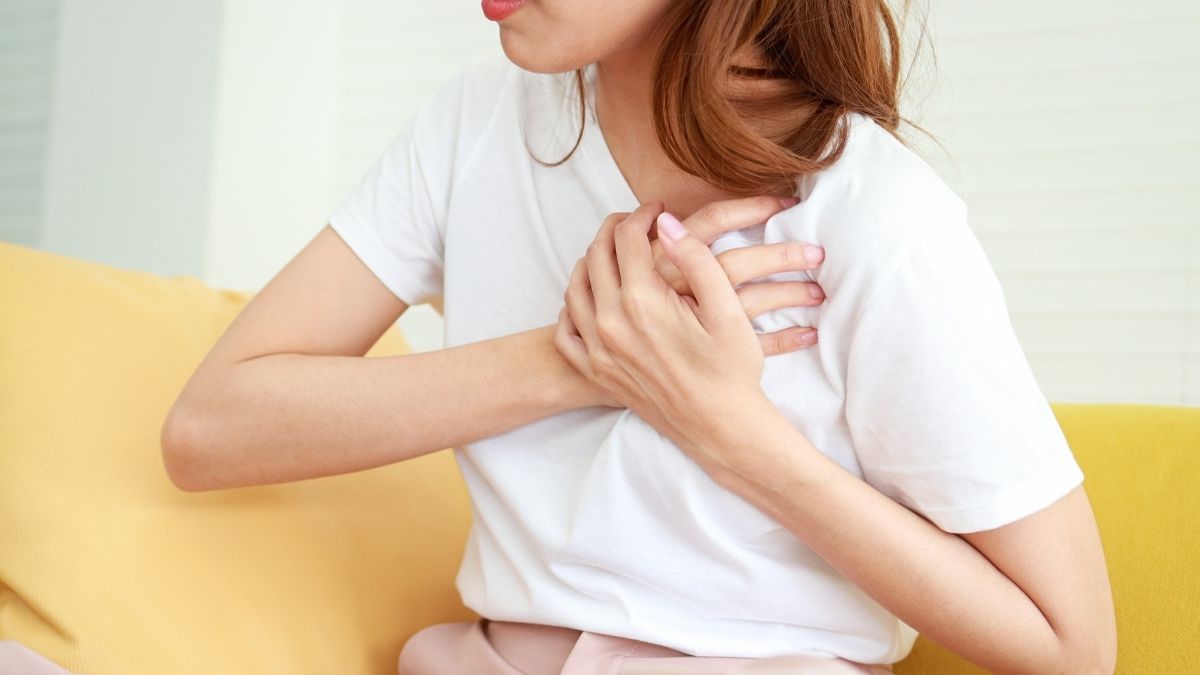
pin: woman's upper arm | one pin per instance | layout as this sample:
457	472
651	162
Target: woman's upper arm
1055	556
324	301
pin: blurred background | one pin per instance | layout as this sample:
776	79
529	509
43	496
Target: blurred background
212	138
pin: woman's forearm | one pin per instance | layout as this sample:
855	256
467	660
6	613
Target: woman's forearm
286	417
934	581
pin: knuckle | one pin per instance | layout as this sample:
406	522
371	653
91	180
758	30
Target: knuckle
748	296
636	304
767	342
732	266
712	212
793	254
765	203
625	226
603	365
778	344
607	329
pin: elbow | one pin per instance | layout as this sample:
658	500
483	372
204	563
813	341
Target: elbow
1097	667
1106	663
1097	658
184	457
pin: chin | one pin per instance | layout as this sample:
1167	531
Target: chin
535	56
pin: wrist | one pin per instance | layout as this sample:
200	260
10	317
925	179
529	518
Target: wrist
565	388
755	447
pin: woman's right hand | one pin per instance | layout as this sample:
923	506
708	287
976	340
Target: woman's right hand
744	264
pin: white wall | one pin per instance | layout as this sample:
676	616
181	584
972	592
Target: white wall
213	138
274	136
1072	127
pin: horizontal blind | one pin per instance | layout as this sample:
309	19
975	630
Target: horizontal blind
27	40
1070	130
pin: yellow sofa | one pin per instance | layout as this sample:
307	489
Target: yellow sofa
107	568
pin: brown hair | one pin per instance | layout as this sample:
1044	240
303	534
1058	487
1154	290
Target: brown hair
826	58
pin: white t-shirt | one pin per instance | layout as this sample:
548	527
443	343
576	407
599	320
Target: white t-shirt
592	519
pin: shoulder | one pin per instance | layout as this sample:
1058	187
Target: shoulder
878	190
871	206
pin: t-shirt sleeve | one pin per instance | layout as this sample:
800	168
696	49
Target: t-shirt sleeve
394	218
944	411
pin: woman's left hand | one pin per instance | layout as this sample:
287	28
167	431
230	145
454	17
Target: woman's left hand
678	363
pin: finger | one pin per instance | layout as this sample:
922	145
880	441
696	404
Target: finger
569	344
727	215
764	296
579	302
564	318
635	258
760	260
667	271
787	340
603	276
717	300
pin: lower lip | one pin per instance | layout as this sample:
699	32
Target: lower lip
495	10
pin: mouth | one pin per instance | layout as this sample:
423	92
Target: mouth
496	10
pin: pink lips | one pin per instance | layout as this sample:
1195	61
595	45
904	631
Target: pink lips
496	10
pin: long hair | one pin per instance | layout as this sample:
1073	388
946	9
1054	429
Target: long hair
823	58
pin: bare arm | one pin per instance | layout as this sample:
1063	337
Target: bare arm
286	395
1032	596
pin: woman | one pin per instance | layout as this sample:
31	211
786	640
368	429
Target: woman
650	493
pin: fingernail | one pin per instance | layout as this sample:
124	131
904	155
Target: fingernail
670	226
807	337
814	254
815	292
789	202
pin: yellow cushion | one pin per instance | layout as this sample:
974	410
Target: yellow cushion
106	568
1141	466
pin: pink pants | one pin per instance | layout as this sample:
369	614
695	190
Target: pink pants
486	647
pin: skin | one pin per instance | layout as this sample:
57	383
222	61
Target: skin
1032	596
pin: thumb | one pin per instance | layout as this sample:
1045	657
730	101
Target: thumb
716	297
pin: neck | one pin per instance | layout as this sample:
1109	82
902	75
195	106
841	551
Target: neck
625	115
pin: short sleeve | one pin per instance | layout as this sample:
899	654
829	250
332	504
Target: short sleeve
393	219
944	411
